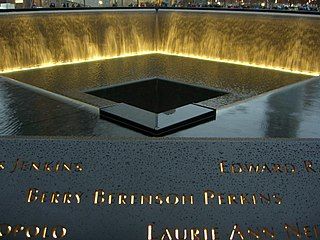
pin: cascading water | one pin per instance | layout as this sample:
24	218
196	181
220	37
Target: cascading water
28	40
267	40
275	41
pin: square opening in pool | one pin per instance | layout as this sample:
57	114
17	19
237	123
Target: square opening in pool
156	95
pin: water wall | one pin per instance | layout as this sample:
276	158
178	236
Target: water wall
273	40
28	40
283	41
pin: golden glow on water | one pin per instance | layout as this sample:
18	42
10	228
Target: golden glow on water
241	63
93	59
99	58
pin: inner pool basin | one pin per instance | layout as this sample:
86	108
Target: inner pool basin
255	74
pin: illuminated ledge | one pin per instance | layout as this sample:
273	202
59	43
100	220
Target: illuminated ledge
157	124
101	58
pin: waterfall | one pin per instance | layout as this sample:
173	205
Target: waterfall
28	40
289	42
278	41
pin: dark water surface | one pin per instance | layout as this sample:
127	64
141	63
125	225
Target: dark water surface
290	112
240	81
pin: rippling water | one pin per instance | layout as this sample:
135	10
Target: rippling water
24	112
240	81
9	121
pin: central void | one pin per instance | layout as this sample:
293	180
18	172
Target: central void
157	95
157	106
